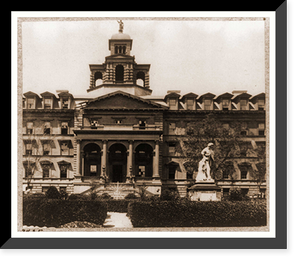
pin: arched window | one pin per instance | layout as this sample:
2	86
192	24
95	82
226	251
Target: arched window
140	78
120	49
98	78
119	73
116	49
124	49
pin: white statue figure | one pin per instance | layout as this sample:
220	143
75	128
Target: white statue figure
205	164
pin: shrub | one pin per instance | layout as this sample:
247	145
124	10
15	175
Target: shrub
197	214
105	196
131	196
117	205
169	195
56	212
52	193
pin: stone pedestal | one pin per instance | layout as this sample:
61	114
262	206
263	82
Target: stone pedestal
205	191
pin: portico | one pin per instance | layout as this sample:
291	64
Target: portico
118	156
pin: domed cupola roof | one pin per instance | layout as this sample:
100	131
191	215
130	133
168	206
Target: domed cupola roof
120	36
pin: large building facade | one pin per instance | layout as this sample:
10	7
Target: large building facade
118	136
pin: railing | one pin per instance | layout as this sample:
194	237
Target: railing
122	127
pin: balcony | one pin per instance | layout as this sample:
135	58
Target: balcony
125	127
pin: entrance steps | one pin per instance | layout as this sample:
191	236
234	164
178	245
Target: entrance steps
115	190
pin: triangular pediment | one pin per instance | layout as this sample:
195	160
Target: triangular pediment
121	101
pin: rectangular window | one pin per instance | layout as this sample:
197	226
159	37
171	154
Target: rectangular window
261	104
47	103
226	192
62	189
28	149
172	149
189	175
172	127
46	172
243	104
207	104
64	147
225	104
142	171
261	129
244	172
189	104
28	170
173	103
65	103
244	191
46	149
47	128
142	124
172	171
30	103
64	128
29	128
63	171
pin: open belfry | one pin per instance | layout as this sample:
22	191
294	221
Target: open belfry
116	136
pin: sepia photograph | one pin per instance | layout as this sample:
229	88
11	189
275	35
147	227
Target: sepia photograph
139	125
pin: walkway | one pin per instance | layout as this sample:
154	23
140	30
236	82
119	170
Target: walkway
117	220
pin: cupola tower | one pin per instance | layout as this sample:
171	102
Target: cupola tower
120	71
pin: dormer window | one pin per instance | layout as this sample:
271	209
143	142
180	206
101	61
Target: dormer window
207	104
261	104
173	103
225	104
47	103
65	103
243	104
30	103
190	104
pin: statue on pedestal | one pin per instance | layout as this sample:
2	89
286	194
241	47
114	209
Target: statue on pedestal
121	26
205	164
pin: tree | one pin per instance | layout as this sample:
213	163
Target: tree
226	137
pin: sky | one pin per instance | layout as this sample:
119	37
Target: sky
192	56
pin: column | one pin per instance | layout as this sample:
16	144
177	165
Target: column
78	156
103	159
156	160
129	162
82	163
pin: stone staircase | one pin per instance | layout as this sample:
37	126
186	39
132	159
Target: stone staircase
116	190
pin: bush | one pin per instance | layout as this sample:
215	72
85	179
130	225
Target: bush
197	214
169	195
52	193
131	196
236	195
56	212
117	205
105	196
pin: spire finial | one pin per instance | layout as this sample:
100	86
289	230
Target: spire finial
121	26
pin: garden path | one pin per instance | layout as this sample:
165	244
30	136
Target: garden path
117	220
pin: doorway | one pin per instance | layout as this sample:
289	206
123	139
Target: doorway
117	162
117	173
